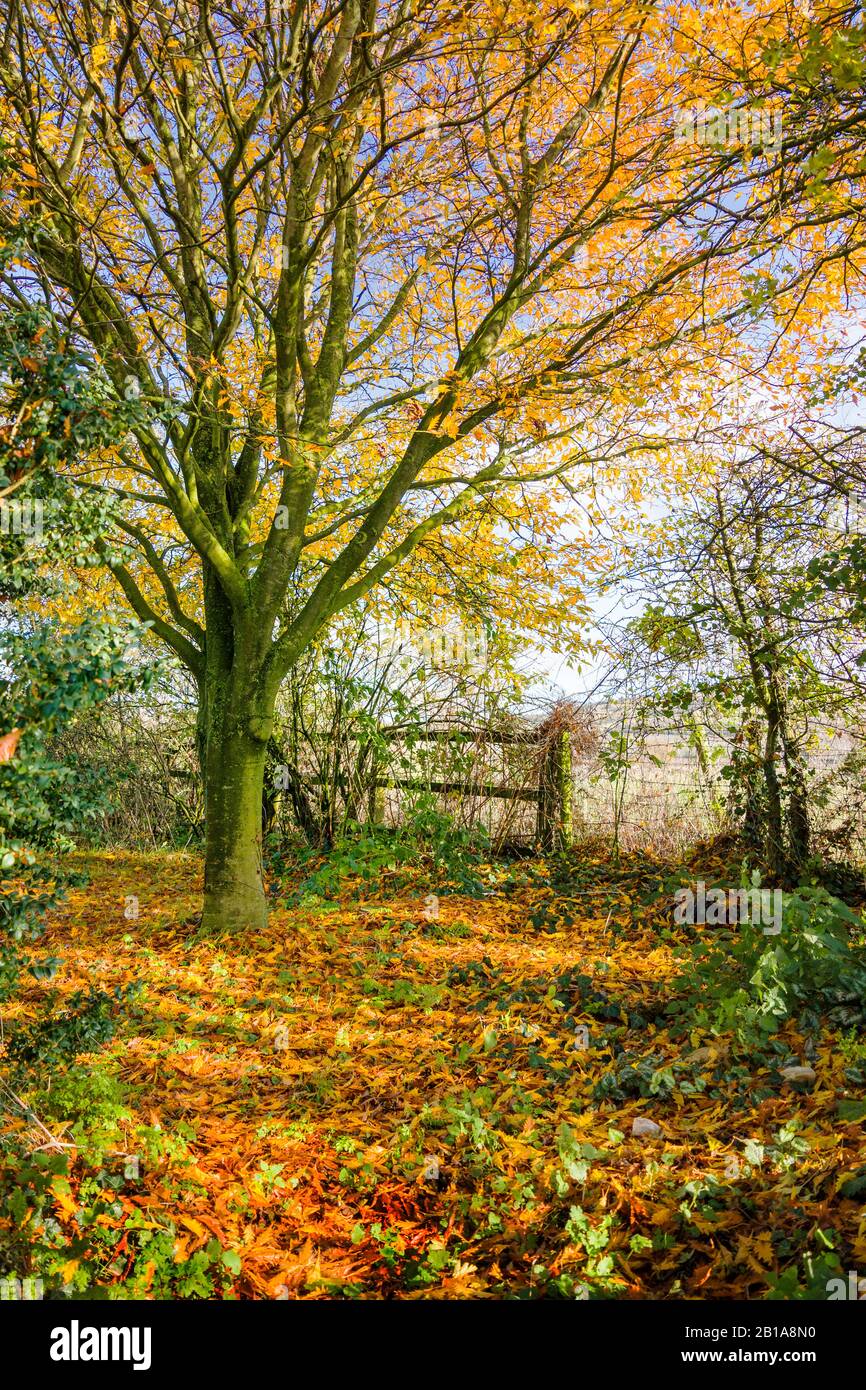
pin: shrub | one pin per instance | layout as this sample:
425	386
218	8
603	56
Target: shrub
748	983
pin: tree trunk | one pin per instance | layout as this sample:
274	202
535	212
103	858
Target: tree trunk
290	780
234	895
235	722
799	824
797	793
775	836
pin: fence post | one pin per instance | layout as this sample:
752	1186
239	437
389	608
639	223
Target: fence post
564	790
555	823
542	822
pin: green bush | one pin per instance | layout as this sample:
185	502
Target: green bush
748	983
428	838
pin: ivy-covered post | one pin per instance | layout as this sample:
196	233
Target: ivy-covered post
555	824
564	789
543	825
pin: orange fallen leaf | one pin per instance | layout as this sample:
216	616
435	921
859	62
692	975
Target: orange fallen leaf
8	744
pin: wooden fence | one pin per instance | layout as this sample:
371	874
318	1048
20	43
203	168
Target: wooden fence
552	788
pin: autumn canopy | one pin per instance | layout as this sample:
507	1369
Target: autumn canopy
389	283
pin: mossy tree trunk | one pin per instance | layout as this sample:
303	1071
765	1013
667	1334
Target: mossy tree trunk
234	895
236	715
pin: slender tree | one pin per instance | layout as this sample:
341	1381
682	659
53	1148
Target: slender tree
735	637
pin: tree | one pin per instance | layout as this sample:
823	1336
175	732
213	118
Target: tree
378	273
733	633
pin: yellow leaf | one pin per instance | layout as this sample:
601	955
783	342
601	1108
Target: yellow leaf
65	1202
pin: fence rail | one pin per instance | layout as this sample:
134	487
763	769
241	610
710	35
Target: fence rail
552	790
